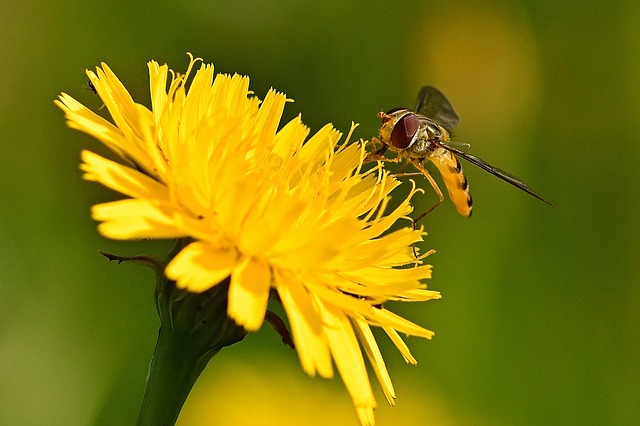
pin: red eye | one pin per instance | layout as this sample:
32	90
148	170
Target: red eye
404	130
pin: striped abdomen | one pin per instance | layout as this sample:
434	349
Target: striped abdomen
454	179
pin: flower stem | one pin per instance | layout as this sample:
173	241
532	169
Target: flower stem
177	362
193	328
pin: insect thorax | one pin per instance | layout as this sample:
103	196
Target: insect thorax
422	147
428	138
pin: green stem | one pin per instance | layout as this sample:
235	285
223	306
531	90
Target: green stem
193	328
177	362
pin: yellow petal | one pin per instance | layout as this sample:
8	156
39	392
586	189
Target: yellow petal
388	318
200	266
375	274
81	118
316	149
121	178
249	292
268	117
400	344
118	101
415	295
289	139
158	85
372	350
136	218
306	326
348	358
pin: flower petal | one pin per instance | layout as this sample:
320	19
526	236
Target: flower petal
348	358
136	218
199	266
400	344
375	358
249	292
306	326
121	178
388	318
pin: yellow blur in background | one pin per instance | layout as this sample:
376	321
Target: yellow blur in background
243	393
539	321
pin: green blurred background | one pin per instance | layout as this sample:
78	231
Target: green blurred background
540	317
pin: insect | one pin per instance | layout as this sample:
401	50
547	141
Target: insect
91	87
425	135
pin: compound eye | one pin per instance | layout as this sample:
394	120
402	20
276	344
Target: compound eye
404	130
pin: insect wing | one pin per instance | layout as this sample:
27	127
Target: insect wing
460	146
434	105
499	173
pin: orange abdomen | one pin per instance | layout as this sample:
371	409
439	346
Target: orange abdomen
454	179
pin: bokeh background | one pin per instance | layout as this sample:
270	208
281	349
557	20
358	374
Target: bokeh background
540	317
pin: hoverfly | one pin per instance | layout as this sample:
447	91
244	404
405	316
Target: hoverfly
424	135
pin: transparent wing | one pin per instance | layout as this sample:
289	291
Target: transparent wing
499	173
460	146
434	105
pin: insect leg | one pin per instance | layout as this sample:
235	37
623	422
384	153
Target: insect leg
378	155
424	172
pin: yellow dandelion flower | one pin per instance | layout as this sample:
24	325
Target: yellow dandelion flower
264	206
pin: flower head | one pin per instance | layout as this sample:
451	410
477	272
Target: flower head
265	205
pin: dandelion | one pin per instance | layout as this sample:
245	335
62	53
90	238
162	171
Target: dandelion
262	211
